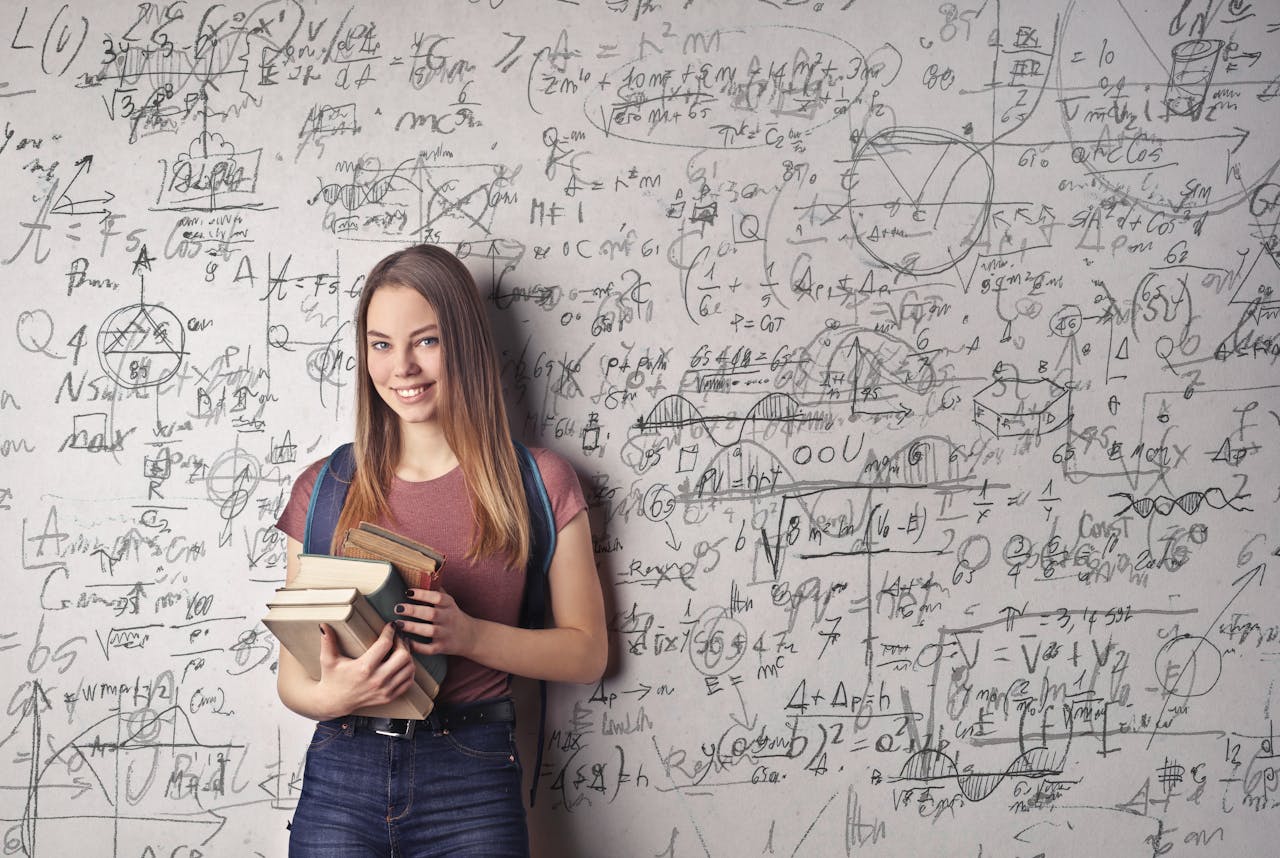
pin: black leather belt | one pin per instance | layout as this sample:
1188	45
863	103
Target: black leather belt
442	719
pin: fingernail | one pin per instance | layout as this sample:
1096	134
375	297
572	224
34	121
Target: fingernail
399	624
399	609
322	630
408	594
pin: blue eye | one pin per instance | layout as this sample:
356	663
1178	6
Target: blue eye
429	340
379	346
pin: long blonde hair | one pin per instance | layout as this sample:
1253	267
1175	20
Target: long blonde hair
472	413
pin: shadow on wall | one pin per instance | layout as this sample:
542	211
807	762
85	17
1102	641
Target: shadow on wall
554	835
550	834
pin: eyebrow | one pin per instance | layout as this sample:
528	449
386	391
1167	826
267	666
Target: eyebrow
422	330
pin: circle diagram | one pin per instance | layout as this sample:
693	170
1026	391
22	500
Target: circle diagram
920	198
141	345
1188	666
232	480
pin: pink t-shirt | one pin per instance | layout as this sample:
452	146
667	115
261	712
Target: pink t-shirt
437	512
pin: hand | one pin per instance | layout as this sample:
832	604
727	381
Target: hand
383	673
434	614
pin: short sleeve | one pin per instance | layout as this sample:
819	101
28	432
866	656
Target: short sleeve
293	521
563	488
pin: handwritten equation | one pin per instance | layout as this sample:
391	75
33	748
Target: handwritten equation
919	362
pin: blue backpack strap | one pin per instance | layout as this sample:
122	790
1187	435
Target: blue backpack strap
542	533
327	497
533	609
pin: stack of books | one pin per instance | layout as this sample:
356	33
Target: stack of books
356	596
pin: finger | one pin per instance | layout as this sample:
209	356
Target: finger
401	685
408	610
401	669
426	597
395	660
405	681
401	653
379	649
420	630
433	648
393	674
329	651
418	613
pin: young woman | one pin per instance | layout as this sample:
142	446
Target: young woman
435	461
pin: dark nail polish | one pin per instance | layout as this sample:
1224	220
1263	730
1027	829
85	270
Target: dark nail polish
322	632
399	624
408	594
399	609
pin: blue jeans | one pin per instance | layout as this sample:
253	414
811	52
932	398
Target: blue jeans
450	793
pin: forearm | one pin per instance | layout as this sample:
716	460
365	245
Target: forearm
576	649
300	693
558	654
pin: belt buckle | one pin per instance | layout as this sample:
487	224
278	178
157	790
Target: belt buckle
409	727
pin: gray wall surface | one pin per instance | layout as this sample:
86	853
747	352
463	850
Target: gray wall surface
918	360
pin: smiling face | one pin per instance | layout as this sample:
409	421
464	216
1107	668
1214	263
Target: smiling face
403	352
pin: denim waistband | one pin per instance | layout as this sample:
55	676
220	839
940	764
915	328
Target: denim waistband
443	718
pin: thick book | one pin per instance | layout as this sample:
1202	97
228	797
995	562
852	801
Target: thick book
417	563
297	627
326	596
377	580
308	596
402	540
320	597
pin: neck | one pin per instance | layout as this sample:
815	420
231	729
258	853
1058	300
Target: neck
424	452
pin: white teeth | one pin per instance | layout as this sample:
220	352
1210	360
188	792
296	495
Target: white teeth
409	392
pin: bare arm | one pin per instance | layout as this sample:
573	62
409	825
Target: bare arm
575	650
380	675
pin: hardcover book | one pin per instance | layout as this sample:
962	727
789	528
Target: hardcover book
294	617
419	570
379	581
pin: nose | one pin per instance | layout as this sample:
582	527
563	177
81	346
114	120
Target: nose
406	364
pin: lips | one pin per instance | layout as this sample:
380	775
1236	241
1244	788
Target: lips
412	394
